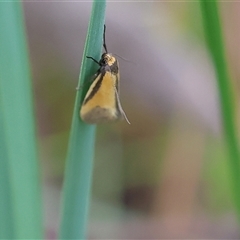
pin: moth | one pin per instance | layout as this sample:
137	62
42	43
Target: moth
102	103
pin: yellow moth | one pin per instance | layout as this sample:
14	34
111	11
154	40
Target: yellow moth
101	103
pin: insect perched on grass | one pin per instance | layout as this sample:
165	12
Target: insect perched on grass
102	103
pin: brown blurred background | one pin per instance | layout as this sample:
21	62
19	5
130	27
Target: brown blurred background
165	175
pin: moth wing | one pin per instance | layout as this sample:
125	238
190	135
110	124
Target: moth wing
99	103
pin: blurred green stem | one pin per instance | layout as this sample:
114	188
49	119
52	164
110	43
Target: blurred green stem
19	143
79	165
215	41
6	216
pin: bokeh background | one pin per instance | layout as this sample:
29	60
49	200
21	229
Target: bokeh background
166	175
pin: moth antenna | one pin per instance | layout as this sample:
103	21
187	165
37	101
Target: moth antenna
104	39
122	58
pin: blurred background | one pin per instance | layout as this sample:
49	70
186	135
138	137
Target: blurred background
166	175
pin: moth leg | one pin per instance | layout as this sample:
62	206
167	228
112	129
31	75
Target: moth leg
97	62
120	107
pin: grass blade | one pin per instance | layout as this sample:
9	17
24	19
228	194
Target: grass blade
18	123
216	45
6	216
78	174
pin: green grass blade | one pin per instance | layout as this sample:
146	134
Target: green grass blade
78	174
216	45
6	216
18	123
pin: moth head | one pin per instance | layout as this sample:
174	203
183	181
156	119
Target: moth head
107	59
